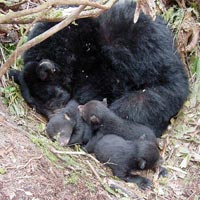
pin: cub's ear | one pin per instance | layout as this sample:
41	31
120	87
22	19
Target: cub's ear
105	103
94	120
141	163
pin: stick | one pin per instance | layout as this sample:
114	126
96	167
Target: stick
74	153
47	5
39	39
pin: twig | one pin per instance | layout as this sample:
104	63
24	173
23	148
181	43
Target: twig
195	39
47	5
27	30
3	59
52	15
105	186
39	39
69	152
148	7
74	15
34	158
25	165
95	173
59	14
176	169
118	185
64	160
38	117
74	153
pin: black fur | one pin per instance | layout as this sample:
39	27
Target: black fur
122	156
124	145
134	66
43	80
103	121
67	126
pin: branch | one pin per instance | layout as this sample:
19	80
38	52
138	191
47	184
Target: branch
54	15
73	16
148	7
194	40
119	185
74	153
39	39
12	15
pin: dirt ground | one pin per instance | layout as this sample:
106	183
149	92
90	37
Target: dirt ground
32	167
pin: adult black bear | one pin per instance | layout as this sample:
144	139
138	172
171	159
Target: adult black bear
134	66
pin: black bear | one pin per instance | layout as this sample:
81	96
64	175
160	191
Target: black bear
68	127
122	145
46	76
134	66
103	121
122	156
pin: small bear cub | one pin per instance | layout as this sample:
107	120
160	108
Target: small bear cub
67	126
120	144
102	119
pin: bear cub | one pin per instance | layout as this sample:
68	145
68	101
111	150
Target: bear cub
103	121
122	145
67	126
122	156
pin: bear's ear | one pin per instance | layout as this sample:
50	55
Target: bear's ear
94	120
105	103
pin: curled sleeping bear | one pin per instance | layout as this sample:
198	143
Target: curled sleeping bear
135	66
121	145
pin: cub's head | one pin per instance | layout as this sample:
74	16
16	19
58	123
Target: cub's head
93	112
60	128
